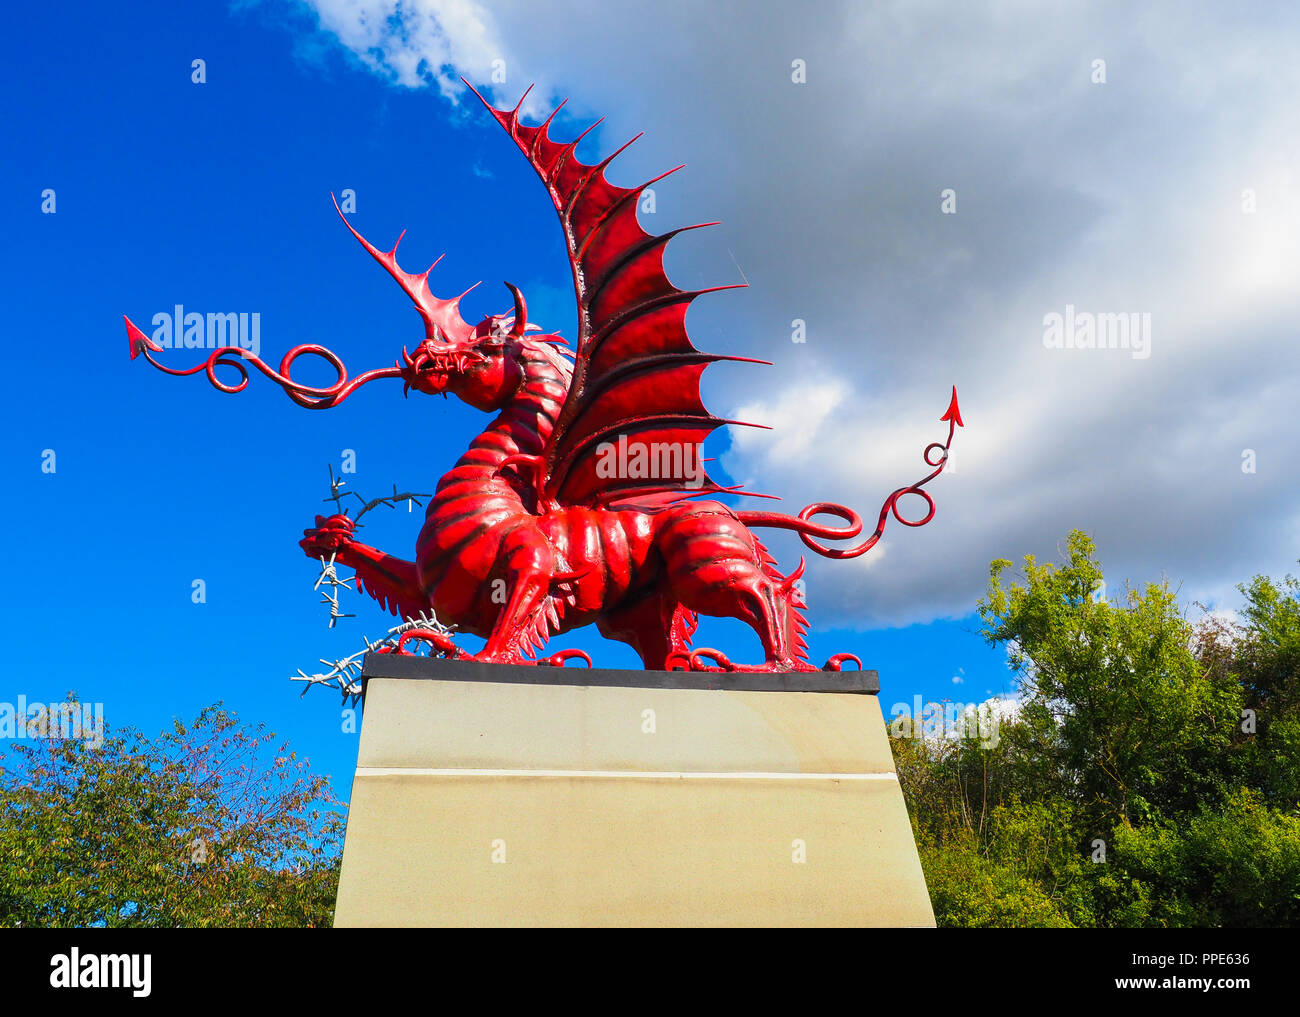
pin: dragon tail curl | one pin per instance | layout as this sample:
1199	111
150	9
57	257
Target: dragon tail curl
935	455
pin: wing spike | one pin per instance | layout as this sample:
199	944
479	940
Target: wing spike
508	120
578	140
490	108
676	297
740	489
746	360
543	132
605	217
600	166
514	113
625	371
627	368
573	145
719	289
646	421
549	173
598	171
630	497
608	273
657	240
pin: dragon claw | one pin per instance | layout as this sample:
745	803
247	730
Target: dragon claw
678	660
327	536
437	640
720	658
558	659
723	664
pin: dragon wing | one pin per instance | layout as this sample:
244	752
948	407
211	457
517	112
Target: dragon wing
635	392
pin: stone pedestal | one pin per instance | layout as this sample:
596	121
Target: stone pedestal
489	795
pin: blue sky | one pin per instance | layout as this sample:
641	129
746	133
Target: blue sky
216	196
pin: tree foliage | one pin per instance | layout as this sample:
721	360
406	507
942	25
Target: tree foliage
1151	775
209	824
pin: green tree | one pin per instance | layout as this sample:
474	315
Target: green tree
209	824
1141	727
1262	653
1234	866
1151	776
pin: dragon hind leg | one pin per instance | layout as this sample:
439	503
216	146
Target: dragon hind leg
717	567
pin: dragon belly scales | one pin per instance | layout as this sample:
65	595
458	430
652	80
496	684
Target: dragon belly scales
528	535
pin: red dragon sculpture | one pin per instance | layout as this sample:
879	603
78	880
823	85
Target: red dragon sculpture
534	532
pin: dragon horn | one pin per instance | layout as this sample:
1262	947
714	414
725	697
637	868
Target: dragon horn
521	311
440	316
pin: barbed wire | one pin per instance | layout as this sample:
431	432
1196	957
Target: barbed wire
344	674
337	494
329	576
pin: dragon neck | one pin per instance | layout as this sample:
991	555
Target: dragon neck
526	422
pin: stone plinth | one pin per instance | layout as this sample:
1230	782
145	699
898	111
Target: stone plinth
491	795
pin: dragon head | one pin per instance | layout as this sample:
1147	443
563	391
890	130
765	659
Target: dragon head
484	364
481	364
483	368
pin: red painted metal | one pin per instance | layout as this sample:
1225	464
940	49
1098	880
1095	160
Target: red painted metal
533	532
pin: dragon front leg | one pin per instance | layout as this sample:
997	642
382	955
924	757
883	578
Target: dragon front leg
393	582
521	627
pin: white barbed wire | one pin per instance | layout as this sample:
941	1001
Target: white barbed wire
329	576
344	674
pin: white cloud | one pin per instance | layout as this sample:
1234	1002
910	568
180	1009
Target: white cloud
795	417
1003	709
415	43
